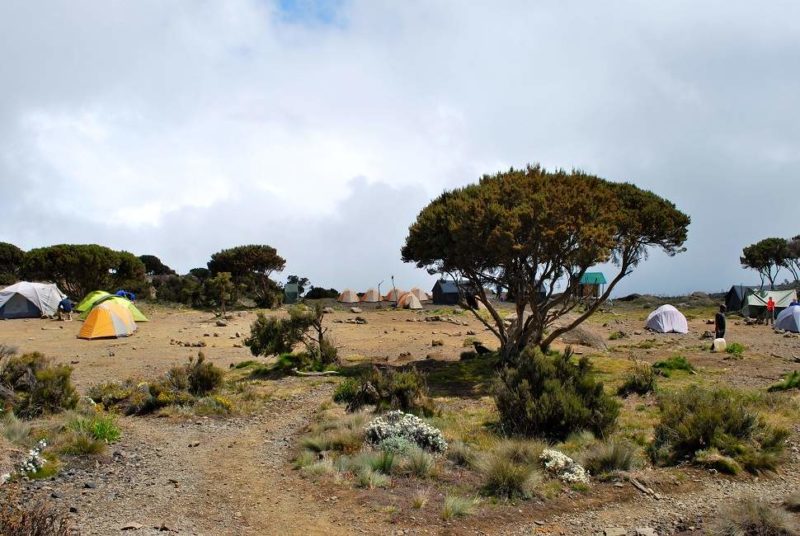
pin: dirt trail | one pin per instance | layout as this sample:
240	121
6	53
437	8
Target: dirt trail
236	480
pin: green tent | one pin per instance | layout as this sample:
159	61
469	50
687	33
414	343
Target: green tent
90	300
125	302
755	303
291	293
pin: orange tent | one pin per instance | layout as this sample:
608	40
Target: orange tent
371	296
109	319
408	301
393	295
420	294
348	296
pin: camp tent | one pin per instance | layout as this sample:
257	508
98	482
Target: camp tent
124	302
394	295
734	299
420	294
755	303
90	300
371	296
789	319
109	319
667	319
348	296
29	300
408	301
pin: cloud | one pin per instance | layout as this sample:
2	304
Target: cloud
322	128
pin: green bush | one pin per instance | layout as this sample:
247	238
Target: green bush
697	419
100	426
14	430
507	476
345	392
790	381
616	336
640	380
32	385
735	349
419	462
455	506
203	377
753	516
550	397
462	454
677	362
604	458
391	389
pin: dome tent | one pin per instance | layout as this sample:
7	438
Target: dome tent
393	295
408	301
420	294
348	296
30	300
90	300
111	298
108	320
371	296
667	319
789	319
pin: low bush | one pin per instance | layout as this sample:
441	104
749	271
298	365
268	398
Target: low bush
697	419
462	454
371	479
677	362
754	516
505	478
397	445
604	458
790	381
406	426
203	377
25	518
346	391
736	349
390	389
32	385
640	380
712	459
213	405
549	396
616	335
15	430
455	506
419	463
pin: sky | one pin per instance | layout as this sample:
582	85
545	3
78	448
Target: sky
322	128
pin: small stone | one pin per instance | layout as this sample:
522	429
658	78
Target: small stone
131	526
89	485
56	495
615	531
73	510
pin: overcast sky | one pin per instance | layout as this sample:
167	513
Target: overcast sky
322	128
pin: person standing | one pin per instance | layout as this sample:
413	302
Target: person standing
65	309
770	311
720	324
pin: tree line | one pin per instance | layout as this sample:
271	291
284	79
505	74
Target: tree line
770	255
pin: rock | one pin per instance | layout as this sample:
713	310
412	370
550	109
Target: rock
646	531
356	310
221	323
73	510
56	495
237	335
130	526
615	531
707	335
360	320
470	332
328	310
89	485
585	337
437	342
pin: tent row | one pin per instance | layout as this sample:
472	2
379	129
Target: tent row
752	301
407	300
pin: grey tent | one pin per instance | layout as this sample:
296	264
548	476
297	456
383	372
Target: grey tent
29	300
789	319
755	303
735	298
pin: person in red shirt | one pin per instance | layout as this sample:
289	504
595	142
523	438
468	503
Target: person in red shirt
770	311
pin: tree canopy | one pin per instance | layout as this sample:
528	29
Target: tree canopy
792	261
154	266
301	282
251	266
766	257
11	258
527	229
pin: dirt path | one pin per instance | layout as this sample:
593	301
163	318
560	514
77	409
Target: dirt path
207	477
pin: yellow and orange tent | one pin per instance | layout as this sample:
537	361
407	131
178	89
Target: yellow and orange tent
408	301
108	320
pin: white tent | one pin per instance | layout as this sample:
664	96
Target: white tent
408	301
667	319
348	296
789	319
29	300
371	296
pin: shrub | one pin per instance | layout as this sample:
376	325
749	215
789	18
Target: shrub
616	336
640	380
712	459
396	445
25	518
462	454
509	477
7	351
345	392
605	458
15	430
736	349
404	390
455	506
564	467
696	419
406	426
419	463
790	381
100	426
371	479
677	362
550	397
32	385
203	377
213	405
305	458
753	516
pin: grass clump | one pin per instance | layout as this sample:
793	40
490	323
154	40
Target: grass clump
371	479
390	389
455	506
346	391
696	419
23	518
304	459
605	458
790	381
677	362
510	469
549	396
419	463
735	349
461	454
31	385
420	499
14	429
616	335
640	380
754	516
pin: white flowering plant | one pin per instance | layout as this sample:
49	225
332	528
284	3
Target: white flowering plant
564	467
397	424
35	461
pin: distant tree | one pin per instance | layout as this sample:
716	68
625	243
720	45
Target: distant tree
11	258
301	282
251	266
185	289
319	293
154	266
200	273
524	230
80	268
766	257
220	288
273	336
792	262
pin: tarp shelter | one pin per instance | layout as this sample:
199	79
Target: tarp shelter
291	293
90	300
789	319
124	302
348	296
108	320
371	296
394	295
30	300
420	294
755	303
734	299
408	301
667	319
